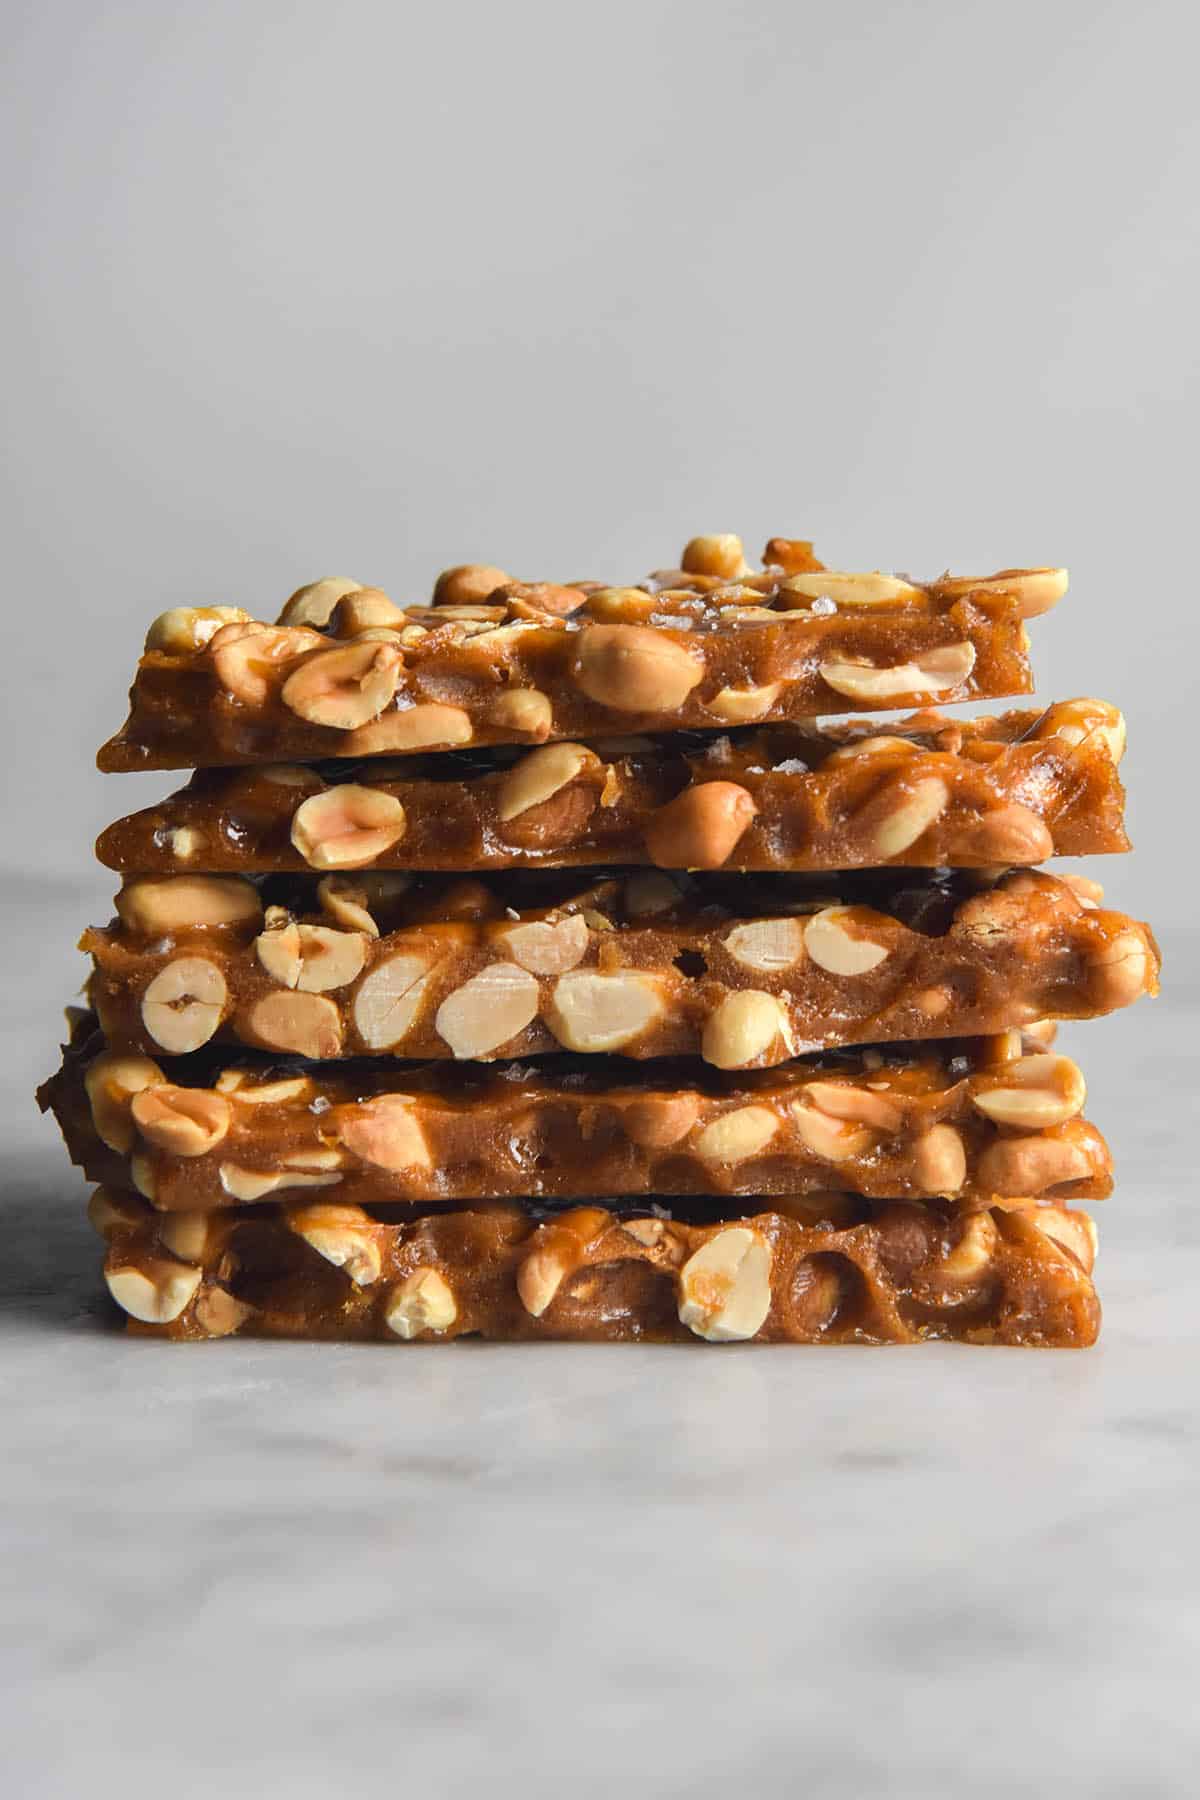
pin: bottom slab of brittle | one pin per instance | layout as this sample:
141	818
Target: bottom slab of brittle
828	1268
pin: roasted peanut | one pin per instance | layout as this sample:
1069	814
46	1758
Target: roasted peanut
185	1234
150	906
312	958
220	1313
700	828
833	941
902	812
247	658
367	609
344	688
314	604
523	710
540	775
737	1135
1075	1231
304	1024
743	1029
111	1082
832	1139
1030	1165
973	1249
253	1184
183	1005
849	589
1033	1092
742	706
1078	721
768	945
389	999
723	556
467	584
635	668
939	1160
841	1100
347	827
426	727
423	1302
182	1121
488	1011
111	1213
1035	590
384	1131
187	628
1008	834
594	1012
657	1121
548	947
725	1287
936	672
1121	969
344	1235
154	1290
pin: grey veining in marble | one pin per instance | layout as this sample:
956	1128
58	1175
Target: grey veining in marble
249	1569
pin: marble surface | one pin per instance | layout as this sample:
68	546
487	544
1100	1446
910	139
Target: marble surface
245	1569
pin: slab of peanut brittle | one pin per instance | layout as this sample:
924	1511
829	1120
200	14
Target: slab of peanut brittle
345	672
834	1269
972	1121
929	792
746	970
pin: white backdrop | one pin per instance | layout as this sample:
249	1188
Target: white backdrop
298	289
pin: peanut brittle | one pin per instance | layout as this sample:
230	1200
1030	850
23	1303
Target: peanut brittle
929	792
746	970
983	1120
345	672
832	1269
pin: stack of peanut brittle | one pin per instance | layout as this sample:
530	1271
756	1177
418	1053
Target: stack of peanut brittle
541	963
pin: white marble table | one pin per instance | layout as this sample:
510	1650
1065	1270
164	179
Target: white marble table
244	1569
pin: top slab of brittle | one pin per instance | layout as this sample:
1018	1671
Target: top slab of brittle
344	672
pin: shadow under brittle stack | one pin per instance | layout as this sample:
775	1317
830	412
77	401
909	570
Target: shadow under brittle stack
790	988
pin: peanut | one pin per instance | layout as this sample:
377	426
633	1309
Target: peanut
111	1082
737	1135
154	1290
314	604
303	1024
344	688
488	1011
423	1302
723	556
743	1029
635	668
594	1013
725	1287
183	1005
384	1131
936	672
182	1121
151	907
389	999
347	827
700	827
540	775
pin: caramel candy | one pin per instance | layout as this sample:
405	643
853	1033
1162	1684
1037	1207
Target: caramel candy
830	1269
749	971
987	1121
930	792
344	672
